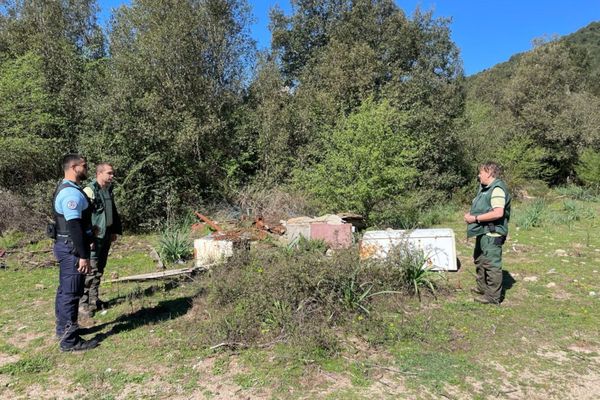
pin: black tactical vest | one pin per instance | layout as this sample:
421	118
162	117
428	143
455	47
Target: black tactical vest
61	222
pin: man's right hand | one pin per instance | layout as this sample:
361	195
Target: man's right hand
84	266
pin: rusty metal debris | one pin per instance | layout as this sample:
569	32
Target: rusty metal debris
335	229
208	221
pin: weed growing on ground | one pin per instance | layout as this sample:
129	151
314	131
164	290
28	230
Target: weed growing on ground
577	192
11	239
414	269
175	245
533	215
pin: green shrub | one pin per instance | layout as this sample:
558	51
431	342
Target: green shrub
412	264
27	160
571	212
588	168
532	215
413	210
370	159
303	297
301	244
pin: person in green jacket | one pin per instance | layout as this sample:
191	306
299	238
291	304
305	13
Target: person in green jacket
487	221
107	225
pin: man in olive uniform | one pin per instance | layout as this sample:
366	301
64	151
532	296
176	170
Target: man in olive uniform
73	236
107	225
488	222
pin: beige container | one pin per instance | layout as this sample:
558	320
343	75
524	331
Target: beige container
207	250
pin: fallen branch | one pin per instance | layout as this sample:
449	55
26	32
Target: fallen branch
23	251
233	345
160	275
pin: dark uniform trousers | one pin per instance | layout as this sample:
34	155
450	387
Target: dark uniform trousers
70	289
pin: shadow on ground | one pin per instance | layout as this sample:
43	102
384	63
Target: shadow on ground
164	310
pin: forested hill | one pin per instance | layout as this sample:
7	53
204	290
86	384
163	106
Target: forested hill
588	38
538	112
585	40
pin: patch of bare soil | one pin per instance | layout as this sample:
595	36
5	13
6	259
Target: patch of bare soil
59	390
22	339
222	386
6	359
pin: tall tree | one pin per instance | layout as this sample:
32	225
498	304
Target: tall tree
65	36
177	75
335	54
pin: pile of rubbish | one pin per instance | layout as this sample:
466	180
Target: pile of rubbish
336	230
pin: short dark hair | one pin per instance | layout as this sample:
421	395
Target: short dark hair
71	158
492	168
100	167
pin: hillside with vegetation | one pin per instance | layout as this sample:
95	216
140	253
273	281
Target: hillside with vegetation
537	112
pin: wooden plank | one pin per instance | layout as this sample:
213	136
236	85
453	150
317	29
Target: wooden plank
160	275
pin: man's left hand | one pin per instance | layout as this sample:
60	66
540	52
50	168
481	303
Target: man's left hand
469	218
113	237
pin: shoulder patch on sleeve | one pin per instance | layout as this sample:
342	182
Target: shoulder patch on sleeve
72	204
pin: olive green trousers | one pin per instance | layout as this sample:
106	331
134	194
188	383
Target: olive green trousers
90	299
488	266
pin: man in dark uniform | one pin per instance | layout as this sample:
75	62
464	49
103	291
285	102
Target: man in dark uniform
107	225
72	214
488	222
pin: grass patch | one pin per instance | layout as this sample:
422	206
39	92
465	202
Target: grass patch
11	239
31	365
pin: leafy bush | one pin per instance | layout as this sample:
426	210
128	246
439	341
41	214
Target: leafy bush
301	244
302	296
27	160
175	245
413	210
532	215
588	168
571	212
369	160
522	160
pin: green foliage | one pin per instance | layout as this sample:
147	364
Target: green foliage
572	211
541	111
335	55
301	244
27	160
27	107
588	168
413	210
577	192
11	239
174	84
531	215
369	159
300	296
414	269
175	245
